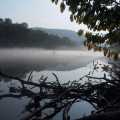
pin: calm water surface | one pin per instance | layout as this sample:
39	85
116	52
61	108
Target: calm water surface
68	65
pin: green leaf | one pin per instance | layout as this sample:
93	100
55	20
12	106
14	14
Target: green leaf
62	7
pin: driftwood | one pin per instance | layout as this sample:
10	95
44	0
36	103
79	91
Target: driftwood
104	96
112	115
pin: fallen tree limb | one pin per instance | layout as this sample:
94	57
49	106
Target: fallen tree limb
112	115
61	96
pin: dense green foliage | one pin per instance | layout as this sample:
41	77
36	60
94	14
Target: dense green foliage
19	35
98	15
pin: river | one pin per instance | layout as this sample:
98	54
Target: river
66	64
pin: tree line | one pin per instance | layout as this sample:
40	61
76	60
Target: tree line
20	35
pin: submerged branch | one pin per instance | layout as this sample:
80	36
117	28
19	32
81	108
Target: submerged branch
61	96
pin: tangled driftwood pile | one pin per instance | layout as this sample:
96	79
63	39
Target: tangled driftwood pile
56	97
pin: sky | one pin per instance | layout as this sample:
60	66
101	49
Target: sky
37	13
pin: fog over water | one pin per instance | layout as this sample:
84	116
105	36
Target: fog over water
38	59
67	64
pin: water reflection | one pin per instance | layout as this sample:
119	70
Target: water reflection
17	62
21	61
78	109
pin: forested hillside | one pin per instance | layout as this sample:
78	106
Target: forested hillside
72	35
19	35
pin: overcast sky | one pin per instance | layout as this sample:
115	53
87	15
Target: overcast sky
37	13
